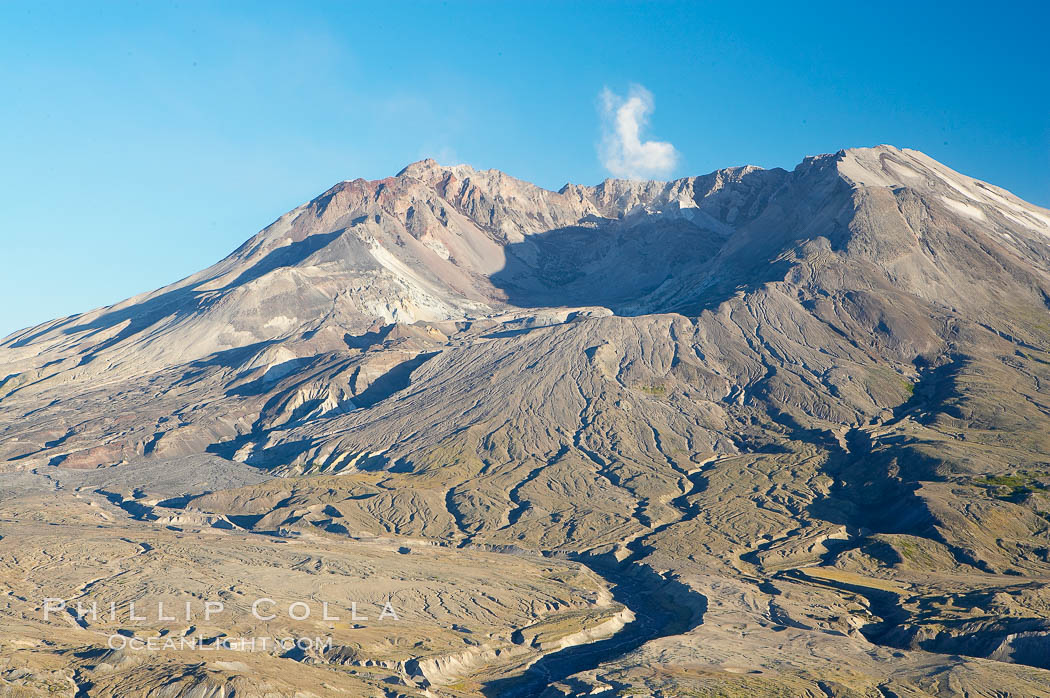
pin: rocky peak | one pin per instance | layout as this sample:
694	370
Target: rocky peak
442	243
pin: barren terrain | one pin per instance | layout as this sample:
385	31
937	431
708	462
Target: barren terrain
750	433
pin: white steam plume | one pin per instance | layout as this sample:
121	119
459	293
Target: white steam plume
622	150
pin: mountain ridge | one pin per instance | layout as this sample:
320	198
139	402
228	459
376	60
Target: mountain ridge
811	407
477	201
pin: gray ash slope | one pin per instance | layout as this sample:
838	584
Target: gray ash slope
788	391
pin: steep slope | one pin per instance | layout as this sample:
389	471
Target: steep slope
808	407
419	246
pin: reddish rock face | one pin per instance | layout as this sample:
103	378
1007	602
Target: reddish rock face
99	456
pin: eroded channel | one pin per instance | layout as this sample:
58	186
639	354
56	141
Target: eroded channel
662	607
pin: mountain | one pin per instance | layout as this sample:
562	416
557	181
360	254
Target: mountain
775	433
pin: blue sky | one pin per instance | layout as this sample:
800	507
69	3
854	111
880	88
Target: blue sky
141	142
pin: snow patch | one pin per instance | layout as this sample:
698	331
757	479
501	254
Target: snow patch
904	171
281	323
438	248
964	208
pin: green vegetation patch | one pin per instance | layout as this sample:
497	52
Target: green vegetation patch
1015	487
